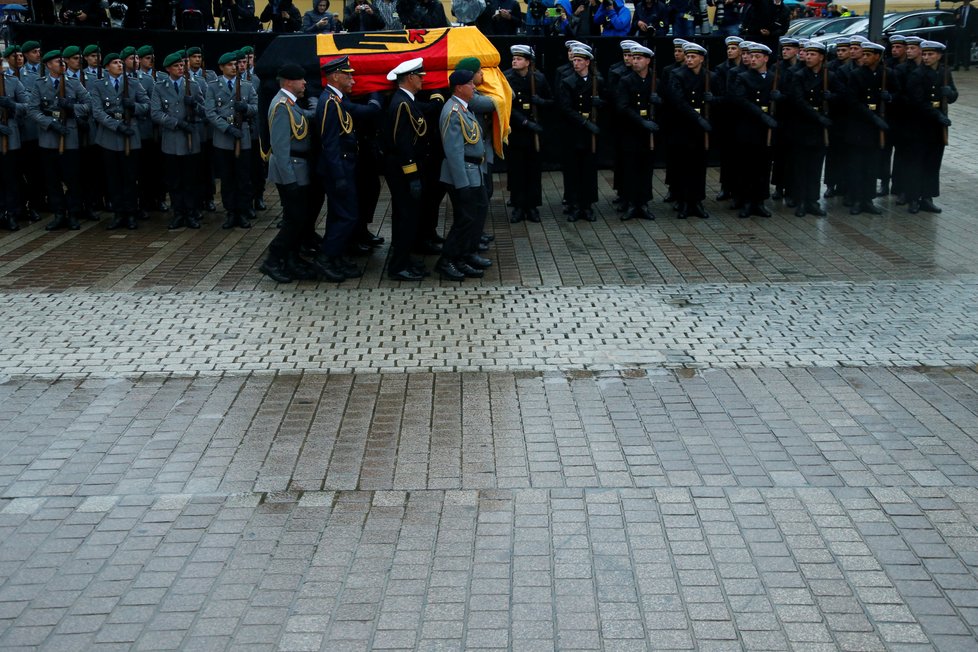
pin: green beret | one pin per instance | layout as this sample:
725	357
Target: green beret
127	52
239	55
145	51
194	50
91	49
247	50
13	48
227	57
182	53
70	51
110	57
171	59
30	45
53	54
469	63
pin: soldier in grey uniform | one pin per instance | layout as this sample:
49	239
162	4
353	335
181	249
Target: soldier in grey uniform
246	65
92	187
150	190
115	102
57	105
177	111
290	141
32	179
463	170
13	103
230	117
203	76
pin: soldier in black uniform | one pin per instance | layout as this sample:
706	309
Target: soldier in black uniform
900	118
865	128
721	121
784	71
578	96
751	92
666	117
523	168
336	118
636	99
565	70
402	129
806	127
930	88
616	71
835	175
688	95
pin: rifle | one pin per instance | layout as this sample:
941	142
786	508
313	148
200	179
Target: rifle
655	86
770	112
533	107
706	105
882	105
594	110
62	114
127	115
4	142
186	93
237	116
825	102
943	99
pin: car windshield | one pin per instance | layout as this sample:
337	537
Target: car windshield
862	25
808	28
836	26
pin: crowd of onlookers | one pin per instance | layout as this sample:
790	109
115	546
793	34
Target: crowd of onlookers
678	18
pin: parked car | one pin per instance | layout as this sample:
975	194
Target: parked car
934	25
805	26
832	28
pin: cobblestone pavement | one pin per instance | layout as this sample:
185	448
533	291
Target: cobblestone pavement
710	435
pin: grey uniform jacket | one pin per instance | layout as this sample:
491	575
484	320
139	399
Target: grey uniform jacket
483	105
219	107
252	79
109	114
289	133
168	108
28	128
459	125
147	131
14	90
43	109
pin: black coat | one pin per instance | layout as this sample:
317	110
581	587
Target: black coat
807	100
574	102
633	100
863	87
522	110
750	93
684	94
923	95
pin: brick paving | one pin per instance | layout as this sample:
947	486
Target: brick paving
719	434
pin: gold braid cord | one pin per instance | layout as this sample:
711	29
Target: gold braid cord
419	125
346	120
470	136
300	129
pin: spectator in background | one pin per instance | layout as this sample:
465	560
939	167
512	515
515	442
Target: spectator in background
536	21
727	16
613	18
241	14
651	18
285	18
194	15
584	11
683	15
362	16
82	13
422	14
565	23
765	20
387	10
319	20
507	18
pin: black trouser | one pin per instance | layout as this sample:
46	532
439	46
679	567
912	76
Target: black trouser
341	212
62	169
286	242
689	183
368	191
183	181
863	162
835	161
754	172
259	170
523	176
582	178
151	185
432	195
962	50
93	189
207	187
120	172
235	174
33	174
469	209
404	219
806	173
923	175
10	177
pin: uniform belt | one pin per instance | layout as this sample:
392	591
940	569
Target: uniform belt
526	107
871	107
765	109
302	155
936	105
586	114
643	112
475	160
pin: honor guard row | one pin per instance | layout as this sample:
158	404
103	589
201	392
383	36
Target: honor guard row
151	131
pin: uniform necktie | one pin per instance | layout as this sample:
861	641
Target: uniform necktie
176	86
231	85
56	85
115	82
